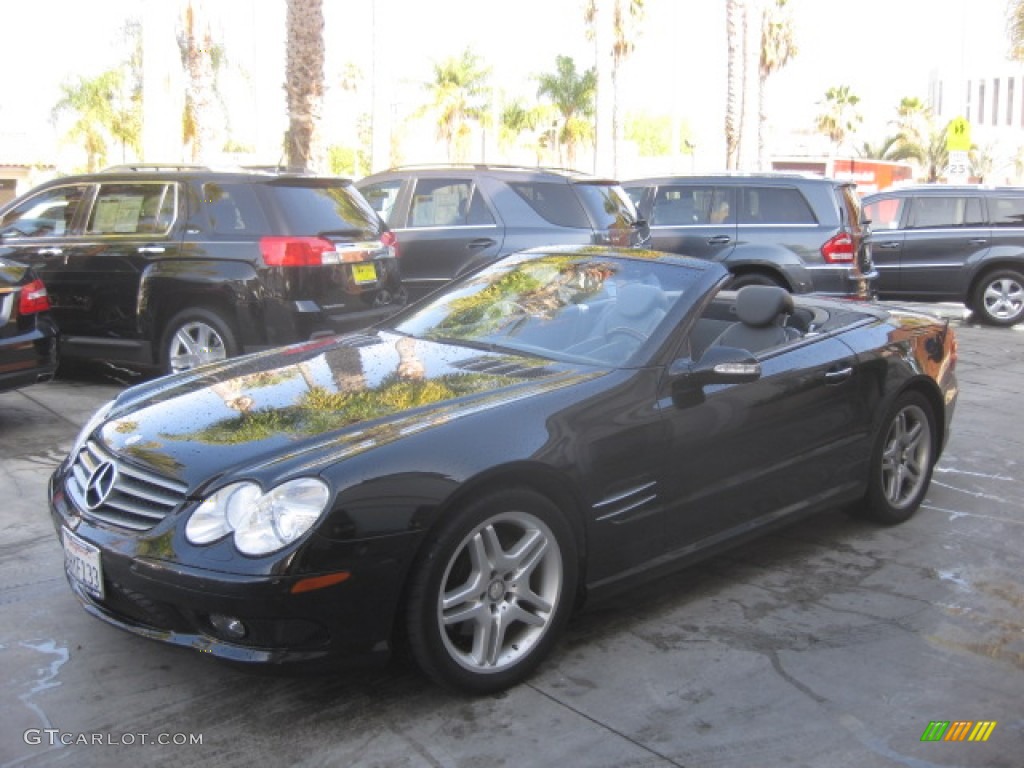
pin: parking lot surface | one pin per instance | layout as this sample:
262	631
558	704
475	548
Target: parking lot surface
833	642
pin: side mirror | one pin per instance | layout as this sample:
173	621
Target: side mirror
718	365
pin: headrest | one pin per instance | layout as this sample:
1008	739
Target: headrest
760	305
638	299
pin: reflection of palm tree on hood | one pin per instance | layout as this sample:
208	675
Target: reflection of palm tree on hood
410	365
231	392
346	366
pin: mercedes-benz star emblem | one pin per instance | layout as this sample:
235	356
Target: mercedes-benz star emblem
100	484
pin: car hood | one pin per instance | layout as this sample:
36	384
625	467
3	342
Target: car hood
316	403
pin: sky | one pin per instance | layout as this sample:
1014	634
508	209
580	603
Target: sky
882	49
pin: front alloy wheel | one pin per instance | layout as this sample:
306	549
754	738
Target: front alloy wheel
902	460
492	592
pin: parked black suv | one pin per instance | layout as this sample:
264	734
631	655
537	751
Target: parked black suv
944	243
28	336
173	268
454	218
803	233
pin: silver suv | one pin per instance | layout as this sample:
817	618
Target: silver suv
451	219
943	243
803	233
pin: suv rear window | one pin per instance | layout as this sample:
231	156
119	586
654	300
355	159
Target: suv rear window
775	205
555	203
311	208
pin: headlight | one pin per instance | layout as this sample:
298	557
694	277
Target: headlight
94	421
261	522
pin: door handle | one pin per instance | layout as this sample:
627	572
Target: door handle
892	245
50	251
977	241
150	249
837	376
480	243
719	240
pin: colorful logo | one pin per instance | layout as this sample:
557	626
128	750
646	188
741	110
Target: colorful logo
958	730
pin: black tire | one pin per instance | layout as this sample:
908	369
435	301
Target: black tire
902	460
196	336
508	563
998	298
754	278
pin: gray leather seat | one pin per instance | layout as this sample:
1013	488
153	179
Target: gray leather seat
638	309
762	311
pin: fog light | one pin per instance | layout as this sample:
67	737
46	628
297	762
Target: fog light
227	625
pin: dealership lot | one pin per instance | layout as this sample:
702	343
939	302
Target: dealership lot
831	643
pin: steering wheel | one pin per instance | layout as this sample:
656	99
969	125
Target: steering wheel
625	330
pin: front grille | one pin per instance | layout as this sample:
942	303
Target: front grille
131	498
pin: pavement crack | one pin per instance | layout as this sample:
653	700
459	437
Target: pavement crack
605	726
777	666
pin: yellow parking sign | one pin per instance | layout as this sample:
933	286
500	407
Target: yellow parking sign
958	135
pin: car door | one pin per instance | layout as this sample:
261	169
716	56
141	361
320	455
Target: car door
128	225
885	217
693	220
1006	217
44	231
448	227
742	455
938	236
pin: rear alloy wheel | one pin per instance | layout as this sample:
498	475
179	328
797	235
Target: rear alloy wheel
492	592
902	461
195	337
999	297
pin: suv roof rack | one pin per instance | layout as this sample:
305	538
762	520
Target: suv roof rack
142	167
490	167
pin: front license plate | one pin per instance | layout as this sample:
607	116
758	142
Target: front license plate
364	273
82	563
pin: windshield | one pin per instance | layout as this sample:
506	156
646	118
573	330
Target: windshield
582	306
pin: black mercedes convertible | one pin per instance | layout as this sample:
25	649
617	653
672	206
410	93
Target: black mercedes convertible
462	477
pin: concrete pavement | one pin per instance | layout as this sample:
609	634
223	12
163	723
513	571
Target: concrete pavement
831	643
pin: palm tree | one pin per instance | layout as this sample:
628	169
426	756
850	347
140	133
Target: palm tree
198	53
777	48
91	101
913	119
572	94
458	97
892	148
840	117
734	29
1015	28
304	82
623	17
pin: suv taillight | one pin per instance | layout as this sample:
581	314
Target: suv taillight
294	251
839	249
391	241
33	298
